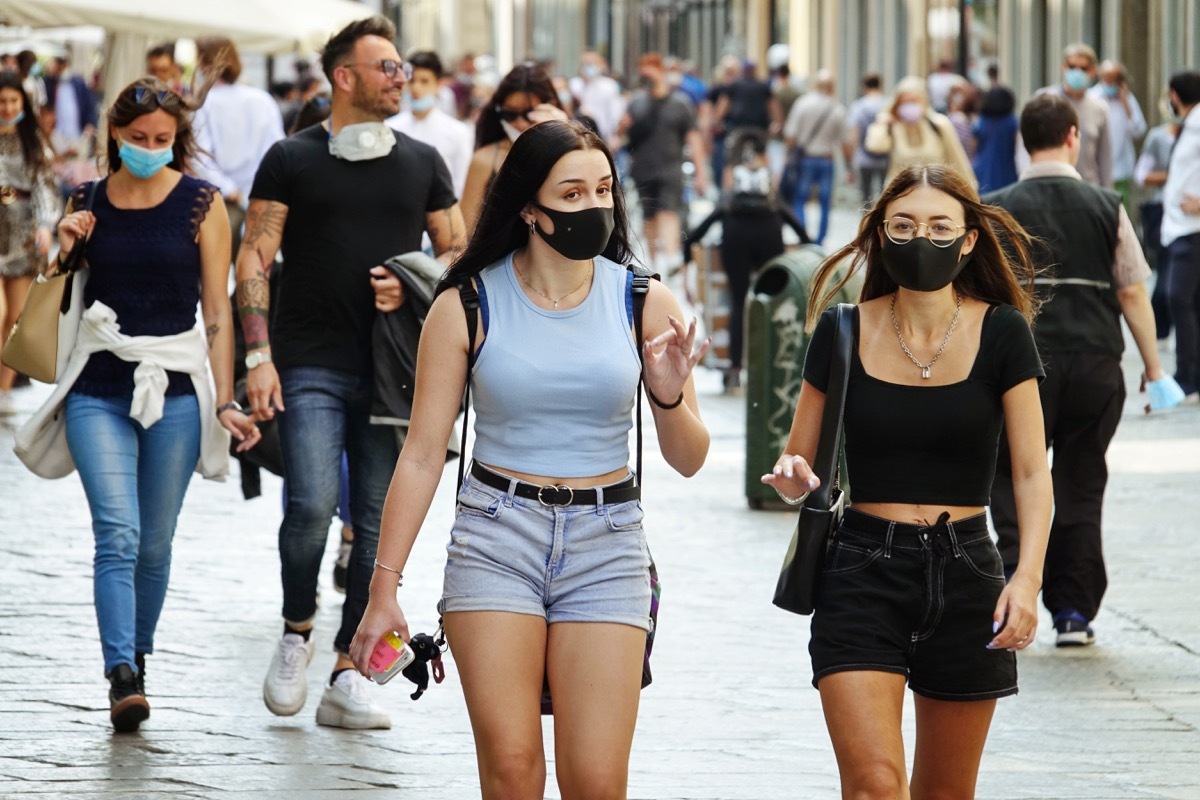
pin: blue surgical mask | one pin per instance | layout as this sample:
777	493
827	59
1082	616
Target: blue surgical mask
1076	79
8	122
143	162
591	71
1111	90
422	104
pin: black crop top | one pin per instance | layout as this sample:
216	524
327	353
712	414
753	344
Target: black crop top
928	444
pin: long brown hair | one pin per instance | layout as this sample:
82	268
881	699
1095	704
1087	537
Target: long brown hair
1001	269
154	95
33	143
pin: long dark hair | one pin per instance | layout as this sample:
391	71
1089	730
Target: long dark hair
154	95
530	78
1001	269
500	229
33	143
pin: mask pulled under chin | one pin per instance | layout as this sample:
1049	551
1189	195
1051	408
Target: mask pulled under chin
578	235
511	132
922	266
362	141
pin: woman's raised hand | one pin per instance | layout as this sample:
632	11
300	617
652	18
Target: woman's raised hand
669	359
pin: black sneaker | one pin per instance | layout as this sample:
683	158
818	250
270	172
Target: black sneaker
127	705
1073	630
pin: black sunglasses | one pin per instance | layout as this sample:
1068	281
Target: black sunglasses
509	115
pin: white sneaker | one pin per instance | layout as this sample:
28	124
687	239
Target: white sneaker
346	704
286	686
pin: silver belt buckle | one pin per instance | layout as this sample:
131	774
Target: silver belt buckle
570	494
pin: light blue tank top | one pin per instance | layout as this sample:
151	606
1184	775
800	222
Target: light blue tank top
553	391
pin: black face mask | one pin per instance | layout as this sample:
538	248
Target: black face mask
578	235
922	266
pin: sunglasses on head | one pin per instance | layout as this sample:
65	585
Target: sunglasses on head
148	97
510	115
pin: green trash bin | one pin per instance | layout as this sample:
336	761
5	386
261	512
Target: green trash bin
775	345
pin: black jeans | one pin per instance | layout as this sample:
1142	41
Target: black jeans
1183	293
748	241
1082	397
1156	254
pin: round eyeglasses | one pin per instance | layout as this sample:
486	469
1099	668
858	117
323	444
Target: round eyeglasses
902	230
388	66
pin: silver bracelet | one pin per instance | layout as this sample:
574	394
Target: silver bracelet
791	501
399	574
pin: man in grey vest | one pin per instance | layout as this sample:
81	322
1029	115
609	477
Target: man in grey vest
1094	274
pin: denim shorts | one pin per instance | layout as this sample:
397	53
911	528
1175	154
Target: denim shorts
913	600
575	563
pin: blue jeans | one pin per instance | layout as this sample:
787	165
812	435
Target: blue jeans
135	479
819	171
328	411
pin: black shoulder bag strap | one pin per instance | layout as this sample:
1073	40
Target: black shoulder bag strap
829	446
641	287
470	300
74	259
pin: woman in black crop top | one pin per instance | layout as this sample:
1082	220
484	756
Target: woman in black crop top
912	589
141	413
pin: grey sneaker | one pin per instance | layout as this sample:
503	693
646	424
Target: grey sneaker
347	704
286	686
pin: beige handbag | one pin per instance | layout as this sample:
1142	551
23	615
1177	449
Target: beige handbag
42	340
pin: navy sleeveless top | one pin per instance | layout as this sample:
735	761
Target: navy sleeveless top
145	266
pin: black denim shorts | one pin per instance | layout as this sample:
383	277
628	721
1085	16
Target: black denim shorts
913	600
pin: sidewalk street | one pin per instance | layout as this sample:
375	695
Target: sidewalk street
731	714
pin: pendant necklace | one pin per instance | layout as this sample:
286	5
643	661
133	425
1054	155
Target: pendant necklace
548	297
925	368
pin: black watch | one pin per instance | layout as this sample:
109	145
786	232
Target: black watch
234	404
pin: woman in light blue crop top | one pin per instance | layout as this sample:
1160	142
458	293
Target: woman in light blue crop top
547	576
912	590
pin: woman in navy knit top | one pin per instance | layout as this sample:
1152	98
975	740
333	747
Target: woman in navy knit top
158	244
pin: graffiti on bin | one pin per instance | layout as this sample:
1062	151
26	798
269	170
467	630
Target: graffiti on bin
788	362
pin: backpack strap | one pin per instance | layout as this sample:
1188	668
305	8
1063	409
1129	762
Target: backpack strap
470	301
639	287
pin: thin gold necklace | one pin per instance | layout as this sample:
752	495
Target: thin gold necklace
925	368
525	281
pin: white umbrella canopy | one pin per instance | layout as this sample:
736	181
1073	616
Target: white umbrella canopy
259	26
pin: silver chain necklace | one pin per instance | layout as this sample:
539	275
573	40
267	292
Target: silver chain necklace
925	368
521	275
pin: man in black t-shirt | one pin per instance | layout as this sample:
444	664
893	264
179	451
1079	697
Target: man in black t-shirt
658	124
339	199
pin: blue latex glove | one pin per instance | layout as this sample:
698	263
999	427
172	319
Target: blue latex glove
1164	393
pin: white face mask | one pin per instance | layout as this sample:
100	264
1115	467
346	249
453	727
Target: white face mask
511	132
362	142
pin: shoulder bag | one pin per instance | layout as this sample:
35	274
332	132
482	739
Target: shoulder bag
639	283
42	340
821	512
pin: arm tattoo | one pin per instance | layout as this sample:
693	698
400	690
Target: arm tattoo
254	304
457	237
264	220
211	331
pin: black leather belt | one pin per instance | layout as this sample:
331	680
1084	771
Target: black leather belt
551	495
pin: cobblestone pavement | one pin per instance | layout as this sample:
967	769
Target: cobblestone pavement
731	715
